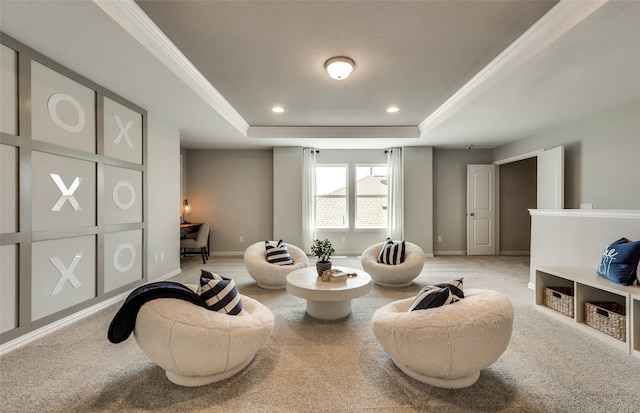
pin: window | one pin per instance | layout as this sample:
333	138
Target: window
372	196
331	197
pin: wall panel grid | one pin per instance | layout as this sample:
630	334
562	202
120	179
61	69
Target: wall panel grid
73	192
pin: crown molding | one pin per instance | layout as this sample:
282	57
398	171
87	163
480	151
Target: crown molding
560	19
136	22
333	132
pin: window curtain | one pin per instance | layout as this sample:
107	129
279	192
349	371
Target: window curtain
308	198
395	209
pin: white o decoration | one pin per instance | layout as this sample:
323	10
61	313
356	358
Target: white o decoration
116	200
52	106
116	254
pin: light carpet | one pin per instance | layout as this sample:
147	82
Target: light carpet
310	365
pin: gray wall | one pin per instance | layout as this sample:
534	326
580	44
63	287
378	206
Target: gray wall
258	195
163	155
287	195
518	194
596	147
418	196
233	191
602	152
450	197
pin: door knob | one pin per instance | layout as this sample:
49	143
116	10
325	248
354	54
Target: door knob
473	214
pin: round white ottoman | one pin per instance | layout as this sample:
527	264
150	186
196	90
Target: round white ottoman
399	275
197	346
446	346
272	276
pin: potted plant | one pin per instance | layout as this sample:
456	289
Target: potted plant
323	250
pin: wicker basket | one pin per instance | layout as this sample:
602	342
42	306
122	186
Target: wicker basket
559	299
608	317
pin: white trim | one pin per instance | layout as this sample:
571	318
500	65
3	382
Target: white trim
333	132
63	322
135	22
531	286
437	253
227	254
560	19
515	253
599	213
520	157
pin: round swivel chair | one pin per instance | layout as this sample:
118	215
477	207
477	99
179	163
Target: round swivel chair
398	275
446	346
198	346
272	276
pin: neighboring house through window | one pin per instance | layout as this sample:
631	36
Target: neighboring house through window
333	197
372	196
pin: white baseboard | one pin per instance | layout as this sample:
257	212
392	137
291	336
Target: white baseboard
228	254
34	335
520	253
436	253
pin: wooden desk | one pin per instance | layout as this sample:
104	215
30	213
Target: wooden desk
191	229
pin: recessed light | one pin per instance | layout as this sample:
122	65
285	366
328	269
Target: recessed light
277	109
392	109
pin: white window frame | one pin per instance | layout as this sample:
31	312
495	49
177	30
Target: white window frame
346	196
356	196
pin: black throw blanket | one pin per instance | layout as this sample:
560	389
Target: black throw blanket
124	321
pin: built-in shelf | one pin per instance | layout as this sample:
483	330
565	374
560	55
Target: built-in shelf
590	287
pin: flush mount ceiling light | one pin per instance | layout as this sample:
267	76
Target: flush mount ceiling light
392	109
340	67
277	109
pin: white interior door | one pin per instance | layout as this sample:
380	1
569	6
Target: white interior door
551	179
481	209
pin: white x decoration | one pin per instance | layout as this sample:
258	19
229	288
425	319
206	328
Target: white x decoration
124	129
67	193
66	273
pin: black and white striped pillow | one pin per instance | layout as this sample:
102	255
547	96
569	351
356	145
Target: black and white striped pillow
219	293
392	252
431	296
427	298
277	253
454	285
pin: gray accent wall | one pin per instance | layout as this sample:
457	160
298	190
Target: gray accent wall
287	194
450	197
163	213
602	153
257	194
418	196
233	191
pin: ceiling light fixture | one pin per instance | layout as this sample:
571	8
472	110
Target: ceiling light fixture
340	67
277	109
392	109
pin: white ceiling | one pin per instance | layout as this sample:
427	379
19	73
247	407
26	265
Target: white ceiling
479	73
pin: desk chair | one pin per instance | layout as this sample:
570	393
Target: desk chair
200	241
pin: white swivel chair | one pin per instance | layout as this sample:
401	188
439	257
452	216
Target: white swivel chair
399	275
272	276
446	346
197	346
199	242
